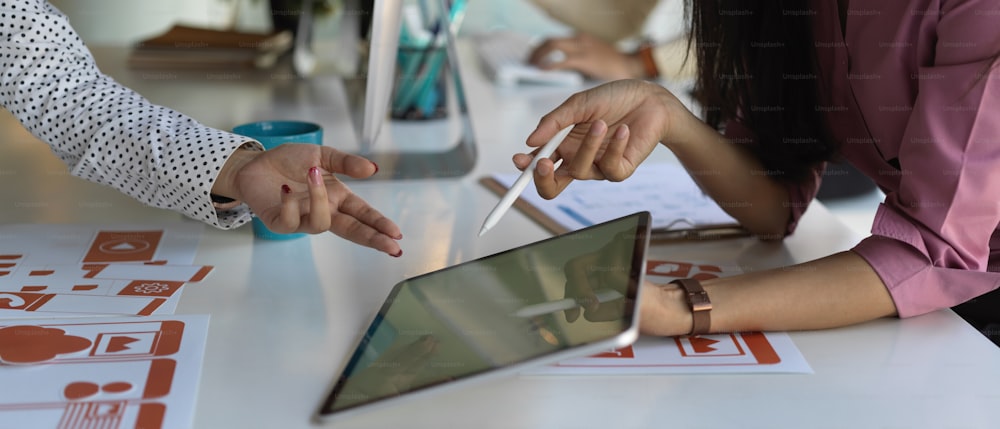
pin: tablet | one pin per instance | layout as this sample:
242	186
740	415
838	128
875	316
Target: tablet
498	315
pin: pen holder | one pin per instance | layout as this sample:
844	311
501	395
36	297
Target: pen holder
420	85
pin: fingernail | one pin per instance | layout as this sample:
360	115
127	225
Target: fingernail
315	177
376	167
398	237
621	132
543	169
598	128
398	254
285	189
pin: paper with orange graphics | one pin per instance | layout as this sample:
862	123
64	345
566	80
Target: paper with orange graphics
49	271
110	373
748	352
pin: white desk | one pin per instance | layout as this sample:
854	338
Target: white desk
285	314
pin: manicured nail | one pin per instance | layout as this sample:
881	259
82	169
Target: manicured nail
315	177
376	167
285	189
398	254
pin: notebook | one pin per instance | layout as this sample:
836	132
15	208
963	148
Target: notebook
186	47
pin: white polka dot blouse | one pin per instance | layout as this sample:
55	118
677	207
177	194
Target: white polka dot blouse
103	131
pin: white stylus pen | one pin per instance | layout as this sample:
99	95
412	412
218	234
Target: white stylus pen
535	310
522	181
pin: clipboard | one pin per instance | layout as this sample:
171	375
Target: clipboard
673	231
523	205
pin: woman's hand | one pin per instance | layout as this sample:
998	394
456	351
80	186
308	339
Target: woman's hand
291	188
617	125
588	55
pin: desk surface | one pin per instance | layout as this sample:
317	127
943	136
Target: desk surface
285	314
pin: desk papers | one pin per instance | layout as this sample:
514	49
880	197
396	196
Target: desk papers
76	270
101	373
746	352
60	369
666	190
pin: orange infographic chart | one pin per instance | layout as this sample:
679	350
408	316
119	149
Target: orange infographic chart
70	270
101	373
746	352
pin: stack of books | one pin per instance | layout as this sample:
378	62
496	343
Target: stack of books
184	47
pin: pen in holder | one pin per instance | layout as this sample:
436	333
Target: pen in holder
422	61
419	91
405	120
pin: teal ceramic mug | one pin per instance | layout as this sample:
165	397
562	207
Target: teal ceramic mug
271	134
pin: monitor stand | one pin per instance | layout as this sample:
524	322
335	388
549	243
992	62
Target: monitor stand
404	148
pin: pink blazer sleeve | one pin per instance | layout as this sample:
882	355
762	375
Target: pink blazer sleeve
931	238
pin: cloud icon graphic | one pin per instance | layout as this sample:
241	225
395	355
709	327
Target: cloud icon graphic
25	344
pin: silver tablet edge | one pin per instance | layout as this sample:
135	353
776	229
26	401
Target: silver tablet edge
624	338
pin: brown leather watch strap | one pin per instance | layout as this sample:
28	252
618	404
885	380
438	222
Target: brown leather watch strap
701	306
645	54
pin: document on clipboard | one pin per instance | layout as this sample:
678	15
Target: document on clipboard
681	211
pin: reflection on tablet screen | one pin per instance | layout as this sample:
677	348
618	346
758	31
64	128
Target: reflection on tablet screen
500	310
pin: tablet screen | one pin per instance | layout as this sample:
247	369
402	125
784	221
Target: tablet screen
508	308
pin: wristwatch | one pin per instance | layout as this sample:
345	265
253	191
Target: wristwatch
645	54
701	306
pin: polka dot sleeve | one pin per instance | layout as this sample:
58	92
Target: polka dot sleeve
103	131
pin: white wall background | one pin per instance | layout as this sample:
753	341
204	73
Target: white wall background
124	22
665	22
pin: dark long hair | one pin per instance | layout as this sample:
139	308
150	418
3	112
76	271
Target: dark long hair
757	64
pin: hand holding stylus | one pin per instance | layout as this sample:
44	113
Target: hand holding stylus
522	181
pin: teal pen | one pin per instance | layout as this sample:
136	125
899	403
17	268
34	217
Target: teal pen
457	15
425	58
430	91
427	96
428	101
409	68
414	41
